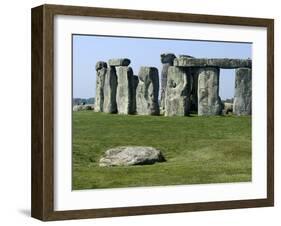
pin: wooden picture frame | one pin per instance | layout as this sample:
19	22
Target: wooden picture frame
42	203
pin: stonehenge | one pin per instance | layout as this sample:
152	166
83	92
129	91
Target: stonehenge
188	85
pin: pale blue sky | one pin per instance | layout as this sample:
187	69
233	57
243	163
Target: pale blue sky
88	49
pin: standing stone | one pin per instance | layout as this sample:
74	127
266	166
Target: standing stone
147	91
194	89
167	60
125	90
110	86
242	104
209	102
101	70
177	97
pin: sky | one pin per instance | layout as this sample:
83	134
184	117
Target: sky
88	49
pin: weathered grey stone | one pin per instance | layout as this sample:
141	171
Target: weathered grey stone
164	73
167	60
242	104
177	98
131	155
227	108
119	62
125	90
88	107
77	108
209	102
101	70
100	65
110	87
212	62
147	91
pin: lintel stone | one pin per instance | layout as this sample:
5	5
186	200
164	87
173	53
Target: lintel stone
119	62
225	63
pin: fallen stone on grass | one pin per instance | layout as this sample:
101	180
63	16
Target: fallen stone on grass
131	155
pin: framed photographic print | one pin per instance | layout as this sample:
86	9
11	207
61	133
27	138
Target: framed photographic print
142	112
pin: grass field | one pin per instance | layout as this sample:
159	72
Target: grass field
197	149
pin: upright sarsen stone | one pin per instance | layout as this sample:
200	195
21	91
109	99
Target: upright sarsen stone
125	90
209	102
110	86
167	60
147	91
242	104
177	97
101	70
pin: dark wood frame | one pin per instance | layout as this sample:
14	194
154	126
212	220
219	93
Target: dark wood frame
42	203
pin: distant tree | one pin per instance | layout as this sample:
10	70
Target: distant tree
83	101
228	100
91	100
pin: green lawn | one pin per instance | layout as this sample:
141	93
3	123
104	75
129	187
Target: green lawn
197	149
